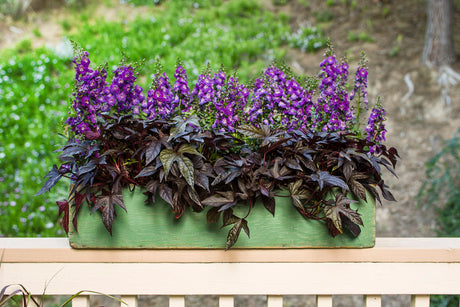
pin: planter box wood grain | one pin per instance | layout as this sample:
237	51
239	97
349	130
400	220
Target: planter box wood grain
155	227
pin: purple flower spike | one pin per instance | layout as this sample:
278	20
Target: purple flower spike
376	128
89	89
160	99
181	90
332	108
360	87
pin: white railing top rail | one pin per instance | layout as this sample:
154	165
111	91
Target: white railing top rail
405	250
419	266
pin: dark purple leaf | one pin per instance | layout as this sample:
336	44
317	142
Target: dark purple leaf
228	206
87	168
386	193
148	171
166	194
92	135
152	151
353	228
229	220
298	194
325	178
269	204
53	177
108	216
202	180
64	208
152	186
213	214
221	176
341	208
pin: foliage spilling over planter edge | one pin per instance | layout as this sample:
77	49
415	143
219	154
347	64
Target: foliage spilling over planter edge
224	144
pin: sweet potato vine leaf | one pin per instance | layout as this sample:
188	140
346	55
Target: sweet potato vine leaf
234	233
337	213
298	194
152	151
64	207
53	177
169	156
323	177
251	131
356	187
108	202
224	200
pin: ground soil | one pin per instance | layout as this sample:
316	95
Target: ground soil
417	123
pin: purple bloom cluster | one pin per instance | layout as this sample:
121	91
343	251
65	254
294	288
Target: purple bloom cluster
332	108
182	95
160	99
376	128
221	102
203	92
360	86
280	101
222	98
89	87
122	93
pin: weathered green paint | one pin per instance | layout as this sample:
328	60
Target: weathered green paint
147	226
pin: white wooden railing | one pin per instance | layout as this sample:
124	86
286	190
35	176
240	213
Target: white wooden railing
415	266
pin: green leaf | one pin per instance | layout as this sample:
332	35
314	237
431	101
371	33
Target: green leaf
233	234
251	131
229	220
177	129
356	187
194	196
186	169
167	158
246	228
188	148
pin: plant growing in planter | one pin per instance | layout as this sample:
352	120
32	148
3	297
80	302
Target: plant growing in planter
222	145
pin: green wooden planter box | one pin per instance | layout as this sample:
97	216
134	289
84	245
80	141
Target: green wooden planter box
155	227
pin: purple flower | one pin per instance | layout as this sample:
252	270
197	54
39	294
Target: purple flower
222	98
89	88
332	108
160	100
279	101
360	86
124	95
376	128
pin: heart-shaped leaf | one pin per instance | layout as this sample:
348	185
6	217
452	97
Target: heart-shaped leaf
167	158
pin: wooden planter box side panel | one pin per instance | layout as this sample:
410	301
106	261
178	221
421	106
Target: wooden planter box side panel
147	226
